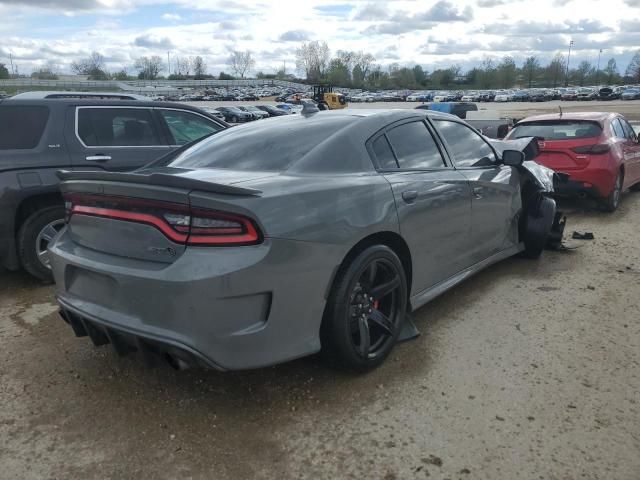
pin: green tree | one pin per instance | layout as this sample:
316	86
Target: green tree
530	69
225	76
611	71
338	73
506	72
419	76
555	70
121	75
357	75
633	70
584	71
487	73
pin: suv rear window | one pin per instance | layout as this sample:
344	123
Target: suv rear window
557	130
21	126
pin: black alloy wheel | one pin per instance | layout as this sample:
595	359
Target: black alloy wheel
366	309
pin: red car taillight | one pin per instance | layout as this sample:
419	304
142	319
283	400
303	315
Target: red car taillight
179	223
597	149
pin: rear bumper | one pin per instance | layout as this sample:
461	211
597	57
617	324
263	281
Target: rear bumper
576	188
228	308
125	341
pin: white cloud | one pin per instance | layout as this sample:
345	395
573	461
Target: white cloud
171	17
465	31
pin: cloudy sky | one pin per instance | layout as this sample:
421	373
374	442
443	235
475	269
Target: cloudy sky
430	33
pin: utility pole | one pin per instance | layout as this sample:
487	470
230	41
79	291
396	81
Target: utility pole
11	61
598	69
168	65
566	76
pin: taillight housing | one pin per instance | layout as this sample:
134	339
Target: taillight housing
182	224
596	149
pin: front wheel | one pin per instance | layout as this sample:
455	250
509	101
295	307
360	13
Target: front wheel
612	201
34	237
365	310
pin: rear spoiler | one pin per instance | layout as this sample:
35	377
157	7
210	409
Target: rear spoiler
161	179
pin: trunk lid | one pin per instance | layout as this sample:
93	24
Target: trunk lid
147	215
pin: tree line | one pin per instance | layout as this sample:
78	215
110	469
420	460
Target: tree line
315	63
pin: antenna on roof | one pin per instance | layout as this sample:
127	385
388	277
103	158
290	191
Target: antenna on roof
560	108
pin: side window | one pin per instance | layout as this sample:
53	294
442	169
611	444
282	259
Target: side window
414	147
117	127
186	127
617	128
383	153
628	130
22	126
467	148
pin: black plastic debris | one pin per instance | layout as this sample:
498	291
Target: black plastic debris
582	236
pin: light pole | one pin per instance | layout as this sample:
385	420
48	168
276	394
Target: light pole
566	76
598	69
168	65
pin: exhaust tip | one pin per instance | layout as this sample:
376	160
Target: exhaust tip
175	362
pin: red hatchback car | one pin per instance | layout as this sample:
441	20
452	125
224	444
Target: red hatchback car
599	151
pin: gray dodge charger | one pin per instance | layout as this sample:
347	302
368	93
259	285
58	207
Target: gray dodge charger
299	234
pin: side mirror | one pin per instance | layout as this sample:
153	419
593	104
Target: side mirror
512	158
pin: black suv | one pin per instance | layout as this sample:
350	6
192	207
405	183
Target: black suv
42	132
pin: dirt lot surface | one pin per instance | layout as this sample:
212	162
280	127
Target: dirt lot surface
530	370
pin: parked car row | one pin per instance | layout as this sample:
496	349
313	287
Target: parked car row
523	95
249	113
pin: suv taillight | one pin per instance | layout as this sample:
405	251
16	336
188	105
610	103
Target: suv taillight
597	149
180	223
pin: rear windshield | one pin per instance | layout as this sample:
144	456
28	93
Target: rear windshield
557	130
22	126
254	147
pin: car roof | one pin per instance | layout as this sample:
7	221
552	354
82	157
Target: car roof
60	95
99	102
593	116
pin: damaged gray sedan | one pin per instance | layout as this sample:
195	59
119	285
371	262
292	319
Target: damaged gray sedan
299	234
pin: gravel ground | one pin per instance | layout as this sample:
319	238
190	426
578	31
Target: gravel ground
529	370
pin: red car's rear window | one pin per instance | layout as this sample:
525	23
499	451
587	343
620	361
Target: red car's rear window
557	130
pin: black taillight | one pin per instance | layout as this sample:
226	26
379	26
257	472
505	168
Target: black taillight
596	149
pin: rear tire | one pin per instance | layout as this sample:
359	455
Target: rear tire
33	238
612	201
365	310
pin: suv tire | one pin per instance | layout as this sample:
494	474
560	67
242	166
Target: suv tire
34	235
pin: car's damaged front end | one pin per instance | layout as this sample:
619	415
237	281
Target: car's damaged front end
541	224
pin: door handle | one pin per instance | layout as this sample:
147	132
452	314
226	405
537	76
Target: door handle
409	196
98	158
477	192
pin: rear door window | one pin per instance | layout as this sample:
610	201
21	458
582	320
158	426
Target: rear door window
617	128
628	130
117	127
414	147
467	148
382	151
185	127
22	126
